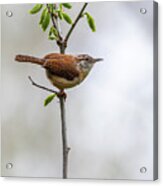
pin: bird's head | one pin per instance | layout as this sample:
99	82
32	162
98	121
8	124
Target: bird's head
86	62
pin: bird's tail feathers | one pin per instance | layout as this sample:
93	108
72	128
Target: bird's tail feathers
30	59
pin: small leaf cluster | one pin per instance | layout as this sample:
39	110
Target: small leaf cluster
62	14
51	10
57	11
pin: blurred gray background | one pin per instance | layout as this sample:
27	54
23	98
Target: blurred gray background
109	116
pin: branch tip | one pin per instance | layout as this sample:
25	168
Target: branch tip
42	87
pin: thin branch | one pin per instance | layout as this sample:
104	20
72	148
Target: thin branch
75	22
65	147
54	22
58	22
42	87
52	18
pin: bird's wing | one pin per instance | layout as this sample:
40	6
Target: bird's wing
52	55
62	68
59	56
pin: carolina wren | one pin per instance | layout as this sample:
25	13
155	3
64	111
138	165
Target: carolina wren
63	70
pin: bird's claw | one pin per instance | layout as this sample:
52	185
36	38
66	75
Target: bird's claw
62	94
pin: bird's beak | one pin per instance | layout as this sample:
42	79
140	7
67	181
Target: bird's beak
98	59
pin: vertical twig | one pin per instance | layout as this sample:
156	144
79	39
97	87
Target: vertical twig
54	21
64	137
75	22
65	148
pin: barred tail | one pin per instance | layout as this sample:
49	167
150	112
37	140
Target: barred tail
30	59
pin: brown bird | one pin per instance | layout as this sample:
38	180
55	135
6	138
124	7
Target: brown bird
63	70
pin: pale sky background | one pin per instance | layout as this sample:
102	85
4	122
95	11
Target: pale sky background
109	116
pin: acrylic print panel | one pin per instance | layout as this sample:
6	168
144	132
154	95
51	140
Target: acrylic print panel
111	117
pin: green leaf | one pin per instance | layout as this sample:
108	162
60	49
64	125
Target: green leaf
42	16
54	31
60	6
36	9
53	34
60	15
49	99
46	20
91	22
52	38
67	18
67	5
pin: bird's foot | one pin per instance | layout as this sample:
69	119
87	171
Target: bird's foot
62	94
